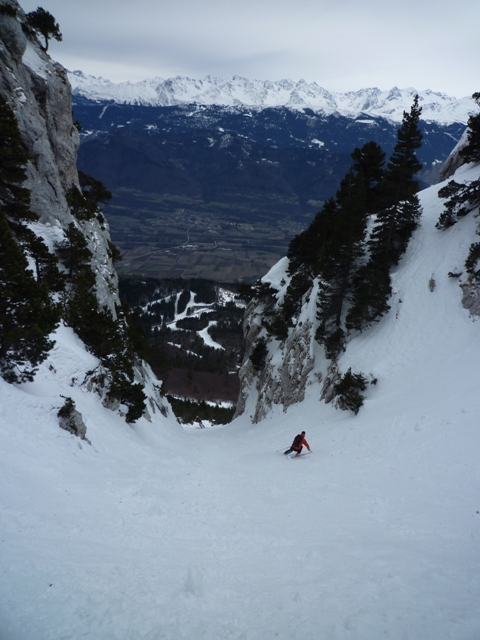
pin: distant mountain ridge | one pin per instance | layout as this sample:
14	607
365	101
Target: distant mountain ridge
298	95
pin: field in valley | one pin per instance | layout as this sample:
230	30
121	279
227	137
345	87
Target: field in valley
178	237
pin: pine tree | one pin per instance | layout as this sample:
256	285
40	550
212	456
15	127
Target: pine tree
370	160
27	315
463	197
306	250
258	355
348	391
109	339
398	206
14	198
42	22
397	213
92	188
471	152
370	293
334	247
472	263
84	202
344	252
73	251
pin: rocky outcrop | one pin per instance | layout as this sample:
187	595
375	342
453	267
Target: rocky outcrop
71	420
454	160
470	288
38	91
284	377
471	297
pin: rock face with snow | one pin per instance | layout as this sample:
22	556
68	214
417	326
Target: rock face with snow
454	160
470	286
292	364
288	364
38	91
238	91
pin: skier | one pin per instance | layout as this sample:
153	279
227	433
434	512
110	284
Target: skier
297	444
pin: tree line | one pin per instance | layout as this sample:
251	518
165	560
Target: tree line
356	238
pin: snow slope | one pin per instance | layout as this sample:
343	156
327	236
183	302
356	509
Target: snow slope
155	532
240	92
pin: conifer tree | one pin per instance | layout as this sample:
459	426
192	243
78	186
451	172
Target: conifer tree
398	211
344	252
84	202
109	339
370	293
46	263
348	391
370	160
258	355
306	249
42	22
398	206
471	152
465	196
95	190
334	246
14	198
27	315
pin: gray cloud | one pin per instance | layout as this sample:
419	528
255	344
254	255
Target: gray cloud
343	45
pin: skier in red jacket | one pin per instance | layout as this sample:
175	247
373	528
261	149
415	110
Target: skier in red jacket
297	444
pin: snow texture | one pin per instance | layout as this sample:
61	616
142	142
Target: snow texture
156	531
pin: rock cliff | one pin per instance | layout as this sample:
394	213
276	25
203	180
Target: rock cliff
287	367
38	91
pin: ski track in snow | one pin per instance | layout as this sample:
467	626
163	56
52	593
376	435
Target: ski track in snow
158	532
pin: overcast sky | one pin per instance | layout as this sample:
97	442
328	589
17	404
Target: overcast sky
343	45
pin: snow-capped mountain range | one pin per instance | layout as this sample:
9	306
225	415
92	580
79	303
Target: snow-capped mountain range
261	94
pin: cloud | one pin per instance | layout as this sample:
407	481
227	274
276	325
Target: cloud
342	45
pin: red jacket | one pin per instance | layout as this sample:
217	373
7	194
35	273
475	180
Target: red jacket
302	442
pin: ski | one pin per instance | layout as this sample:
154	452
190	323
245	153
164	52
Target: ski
300	455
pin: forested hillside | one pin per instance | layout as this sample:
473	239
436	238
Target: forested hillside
194	331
